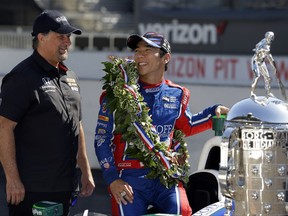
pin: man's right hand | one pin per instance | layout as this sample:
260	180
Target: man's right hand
14	187
15	191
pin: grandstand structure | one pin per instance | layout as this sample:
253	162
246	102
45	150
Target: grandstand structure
199	26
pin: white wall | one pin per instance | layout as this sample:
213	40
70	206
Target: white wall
205	90
225	70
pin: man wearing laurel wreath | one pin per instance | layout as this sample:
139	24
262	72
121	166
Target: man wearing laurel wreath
131	184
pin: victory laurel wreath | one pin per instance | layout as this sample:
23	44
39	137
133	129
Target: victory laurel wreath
134	123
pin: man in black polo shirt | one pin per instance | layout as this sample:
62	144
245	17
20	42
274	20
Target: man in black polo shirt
41	136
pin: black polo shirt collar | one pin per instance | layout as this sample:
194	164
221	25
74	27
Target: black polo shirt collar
45	65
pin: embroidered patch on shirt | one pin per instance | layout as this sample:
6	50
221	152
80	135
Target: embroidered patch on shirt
103	118
72	83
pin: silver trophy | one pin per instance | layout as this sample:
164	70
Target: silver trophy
259	67
253	166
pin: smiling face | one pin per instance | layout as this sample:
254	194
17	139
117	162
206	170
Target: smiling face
54	47
150	64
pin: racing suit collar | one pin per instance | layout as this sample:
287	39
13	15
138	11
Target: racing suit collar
145	85
151	88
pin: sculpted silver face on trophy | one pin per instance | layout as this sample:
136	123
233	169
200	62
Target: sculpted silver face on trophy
253	167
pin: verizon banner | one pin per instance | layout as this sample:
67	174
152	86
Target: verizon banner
225	70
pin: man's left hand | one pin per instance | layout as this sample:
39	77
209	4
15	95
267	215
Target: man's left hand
221	110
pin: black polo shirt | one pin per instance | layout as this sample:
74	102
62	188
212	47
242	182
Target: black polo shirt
45	102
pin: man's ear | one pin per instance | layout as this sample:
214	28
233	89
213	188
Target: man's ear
167	58
41	37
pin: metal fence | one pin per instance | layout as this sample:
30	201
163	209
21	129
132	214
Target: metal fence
91	41
15	40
